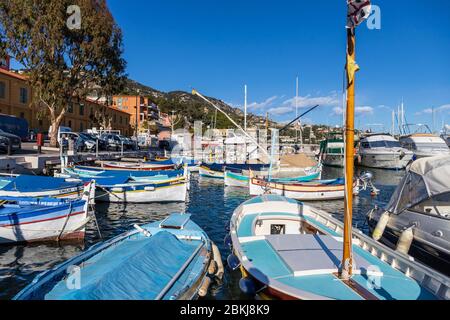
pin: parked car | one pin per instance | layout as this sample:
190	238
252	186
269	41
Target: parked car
18	127
102	144
8	138
85	143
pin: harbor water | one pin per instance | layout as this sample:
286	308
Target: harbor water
211	206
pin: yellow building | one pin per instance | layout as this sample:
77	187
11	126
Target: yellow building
16	99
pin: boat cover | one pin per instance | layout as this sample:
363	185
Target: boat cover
27	183
134	269
424	179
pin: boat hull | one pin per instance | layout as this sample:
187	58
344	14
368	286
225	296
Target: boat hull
236	180
298	192
333	160
56	224
168	192
208	173
386	160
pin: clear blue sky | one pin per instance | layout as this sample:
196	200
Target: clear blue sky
218	46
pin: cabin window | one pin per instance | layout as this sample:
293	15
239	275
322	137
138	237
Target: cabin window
438	206
2	90
277	229
23	95
365	145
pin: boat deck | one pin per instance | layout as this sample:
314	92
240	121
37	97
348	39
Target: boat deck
310	262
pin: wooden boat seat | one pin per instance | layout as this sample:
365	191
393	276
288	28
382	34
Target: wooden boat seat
175	221
310	254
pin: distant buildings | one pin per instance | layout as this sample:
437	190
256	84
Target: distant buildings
144	114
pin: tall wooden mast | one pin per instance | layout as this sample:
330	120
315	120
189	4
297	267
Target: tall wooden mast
347	260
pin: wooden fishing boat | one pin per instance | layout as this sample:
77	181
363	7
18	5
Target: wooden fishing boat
239	178
39	186
80	173
117	191
163	260
305	191
107	165
24	219
217	170
288	250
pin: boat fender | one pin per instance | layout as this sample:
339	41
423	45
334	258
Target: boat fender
233	262
218	260
227	241
203	290
247	286
149	188
212	268
381	226
405	240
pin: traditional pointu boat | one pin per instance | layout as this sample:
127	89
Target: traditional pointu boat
39	186
306	191
241	178
173	190
24	219
163	260
288	250
136	166
217	170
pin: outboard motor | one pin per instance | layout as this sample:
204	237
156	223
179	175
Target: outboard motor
366	181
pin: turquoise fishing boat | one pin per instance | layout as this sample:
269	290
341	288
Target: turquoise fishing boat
172	259
288	250
236	179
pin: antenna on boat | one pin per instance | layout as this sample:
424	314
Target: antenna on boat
358	11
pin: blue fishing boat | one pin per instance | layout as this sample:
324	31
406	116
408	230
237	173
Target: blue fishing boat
217	170
125	187
98	174
24	219
171	259
39	186
288	250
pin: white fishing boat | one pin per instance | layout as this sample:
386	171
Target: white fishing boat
304	191
383	151
174	190
25	219
425	145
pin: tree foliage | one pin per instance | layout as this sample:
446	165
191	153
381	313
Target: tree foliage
63	63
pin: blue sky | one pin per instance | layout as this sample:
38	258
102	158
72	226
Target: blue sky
217	46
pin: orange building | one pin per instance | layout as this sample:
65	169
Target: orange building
143	113
16	99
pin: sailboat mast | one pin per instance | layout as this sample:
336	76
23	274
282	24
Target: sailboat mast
347	260
296	109
245	108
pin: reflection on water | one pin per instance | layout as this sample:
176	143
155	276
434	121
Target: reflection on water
211	206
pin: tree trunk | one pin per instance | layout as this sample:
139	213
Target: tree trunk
55	124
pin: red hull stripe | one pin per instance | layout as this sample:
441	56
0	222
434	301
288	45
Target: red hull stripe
43	220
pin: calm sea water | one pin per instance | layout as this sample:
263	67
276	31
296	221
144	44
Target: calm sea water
211	206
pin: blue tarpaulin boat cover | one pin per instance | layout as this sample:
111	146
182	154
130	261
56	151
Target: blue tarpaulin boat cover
134	269
26	183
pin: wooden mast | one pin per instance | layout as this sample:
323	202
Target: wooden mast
347	260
